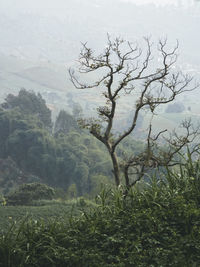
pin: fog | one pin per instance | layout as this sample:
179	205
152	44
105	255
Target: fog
41	39
53	30
179	3
25	5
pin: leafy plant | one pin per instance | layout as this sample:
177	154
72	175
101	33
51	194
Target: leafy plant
26	193
157	224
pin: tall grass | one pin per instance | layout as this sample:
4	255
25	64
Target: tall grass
157	225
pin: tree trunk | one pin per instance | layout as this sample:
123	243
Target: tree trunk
116	171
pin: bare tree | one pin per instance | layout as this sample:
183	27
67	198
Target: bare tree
125	68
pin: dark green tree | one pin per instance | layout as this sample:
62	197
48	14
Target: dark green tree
65	123
26	193
30	103
11	121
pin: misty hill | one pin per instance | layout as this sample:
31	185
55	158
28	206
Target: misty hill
41	39
50	30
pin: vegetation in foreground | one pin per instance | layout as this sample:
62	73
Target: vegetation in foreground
156	225
43	210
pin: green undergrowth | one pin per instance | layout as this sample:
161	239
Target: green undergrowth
155	225
43	209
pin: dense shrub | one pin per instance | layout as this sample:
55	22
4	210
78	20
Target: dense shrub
26	193
157	224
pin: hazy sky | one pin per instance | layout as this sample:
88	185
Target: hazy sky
162	2
62	3
56	27
43	31
59	7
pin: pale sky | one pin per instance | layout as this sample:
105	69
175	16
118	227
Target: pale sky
162	2
62	3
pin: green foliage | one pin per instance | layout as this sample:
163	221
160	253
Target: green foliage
72	191
65	123
9	174
98	182
155	225
26	193
42	210
2	200
28	149
70	157
29	103
11	121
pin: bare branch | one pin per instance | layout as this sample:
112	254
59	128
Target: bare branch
126	68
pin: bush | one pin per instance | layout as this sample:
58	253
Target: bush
27	193
157	225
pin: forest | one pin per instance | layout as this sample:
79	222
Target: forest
33	149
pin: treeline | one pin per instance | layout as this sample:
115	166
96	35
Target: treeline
60	154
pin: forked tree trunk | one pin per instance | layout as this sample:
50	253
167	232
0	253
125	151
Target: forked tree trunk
122	78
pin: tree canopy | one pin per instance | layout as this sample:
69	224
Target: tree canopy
30	103
29	152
